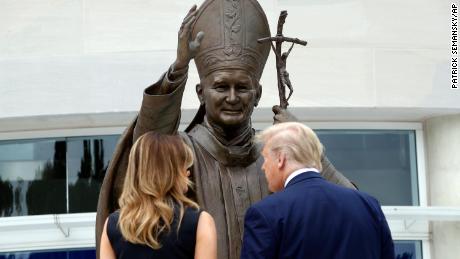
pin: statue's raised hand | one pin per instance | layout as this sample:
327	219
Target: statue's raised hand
186	47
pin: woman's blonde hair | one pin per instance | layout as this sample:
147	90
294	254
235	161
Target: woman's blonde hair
155	182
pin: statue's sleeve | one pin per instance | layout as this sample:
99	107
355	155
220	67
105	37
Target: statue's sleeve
160	111
331	174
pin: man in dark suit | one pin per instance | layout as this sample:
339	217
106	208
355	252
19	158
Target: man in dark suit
308	217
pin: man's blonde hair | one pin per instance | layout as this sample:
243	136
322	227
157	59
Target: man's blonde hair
298	142
155	183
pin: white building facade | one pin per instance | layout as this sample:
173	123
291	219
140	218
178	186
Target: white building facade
374	81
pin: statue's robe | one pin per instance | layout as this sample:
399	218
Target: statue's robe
227	179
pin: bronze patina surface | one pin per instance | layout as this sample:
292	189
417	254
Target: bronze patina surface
221	36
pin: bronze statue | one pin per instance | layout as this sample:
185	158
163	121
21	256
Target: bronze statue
222	38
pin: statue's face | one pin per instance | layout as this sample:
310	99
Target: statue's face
229	97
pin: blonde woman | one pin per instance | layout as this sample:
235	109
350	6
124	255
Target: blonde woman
156	219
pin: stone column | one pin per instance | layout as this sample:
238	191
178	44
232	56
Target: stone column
442	136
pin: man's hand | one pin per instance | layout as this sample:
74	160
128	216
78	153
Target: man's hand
282	115
186	47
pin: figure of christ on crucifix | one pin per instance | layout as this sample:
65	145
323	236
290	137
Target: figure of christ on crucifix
281	59
284	75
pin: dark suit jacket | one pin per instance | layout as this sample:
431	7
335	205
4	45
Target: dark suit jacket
312	218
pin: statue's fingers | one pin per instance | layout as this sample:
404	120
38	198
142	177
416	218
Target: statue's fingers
184	31
199	37
195	44
186	27
189	14
276	119
277	109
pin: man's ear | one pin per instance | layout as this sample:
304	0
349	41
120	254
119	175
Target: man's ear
258	93
199	92
281	160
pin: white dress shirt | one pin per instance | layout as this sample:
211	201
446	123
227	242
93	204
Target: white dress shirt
297	172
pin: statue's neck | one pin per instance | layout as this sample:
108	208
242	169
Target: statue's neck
231	136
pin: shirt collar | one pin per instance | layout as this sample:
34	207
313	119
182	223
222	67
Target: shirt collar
299	171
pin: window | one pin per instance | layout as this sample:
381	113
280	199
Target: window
381	160
403	250
377	161
408	249
55	254
32	177
87	161
52	176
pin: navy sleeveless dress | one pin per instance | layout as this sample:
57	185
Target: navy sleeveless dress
174	246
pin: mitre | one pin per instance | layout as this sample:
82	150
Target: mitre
231	29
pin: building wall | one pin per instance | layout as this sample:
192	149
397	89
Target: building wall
377	55
443	142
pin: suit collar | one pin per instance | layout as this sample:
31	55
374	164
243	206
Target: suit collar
297	172
304	176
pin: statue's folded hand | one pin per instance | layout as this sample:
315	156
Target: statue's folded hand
282	115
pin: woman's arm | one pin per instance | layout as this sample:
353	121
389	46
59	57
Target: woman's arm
106	248
206	237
